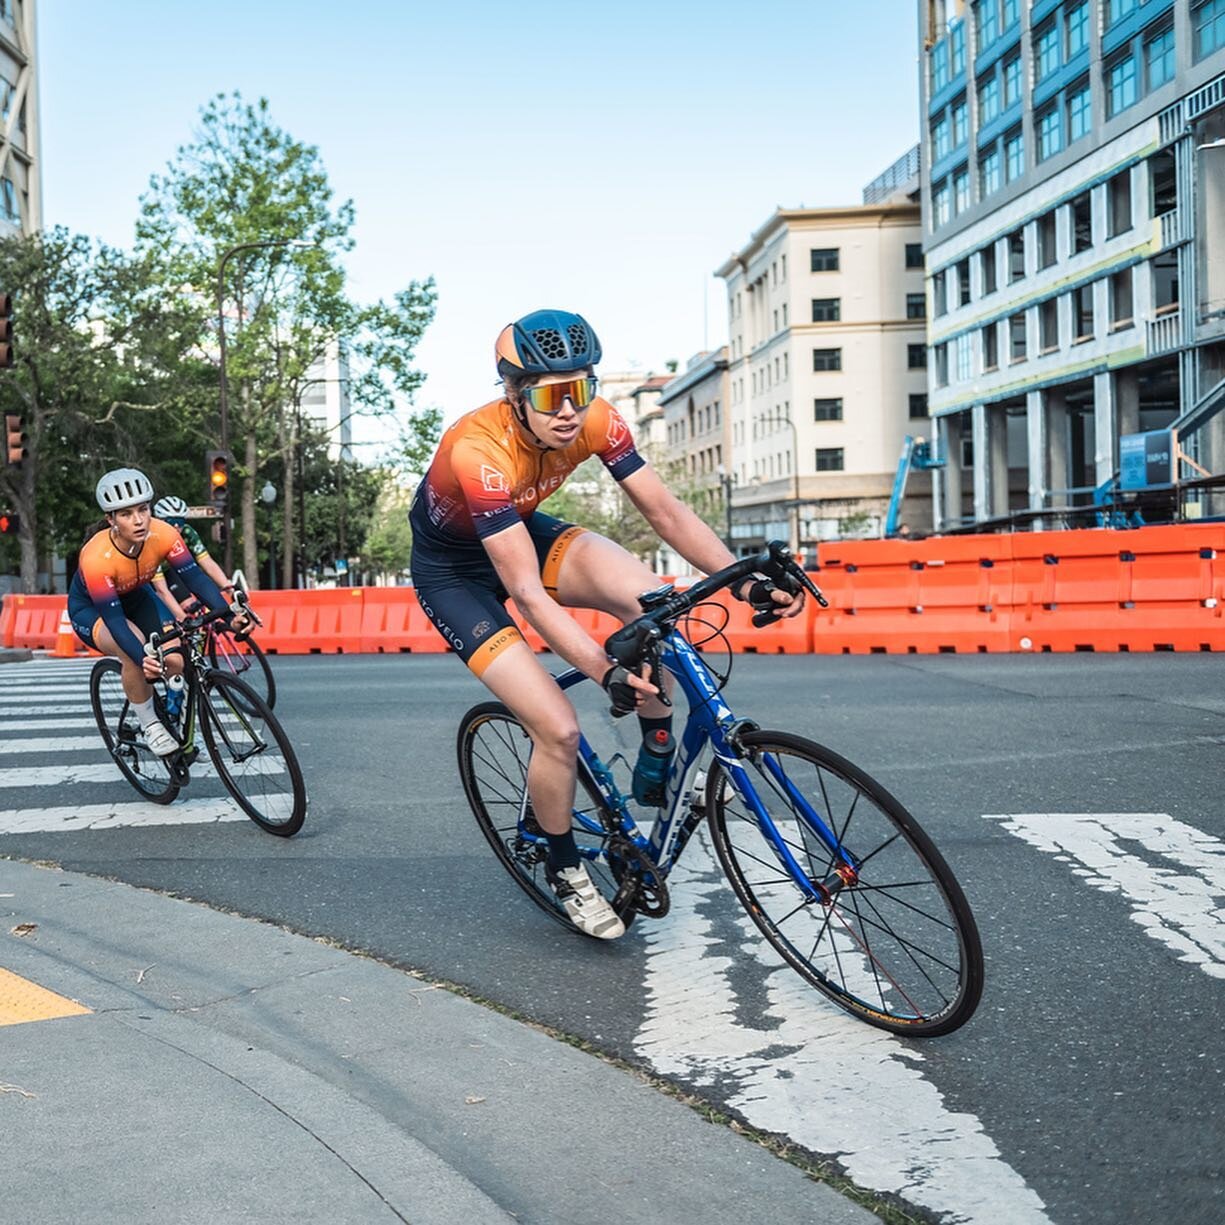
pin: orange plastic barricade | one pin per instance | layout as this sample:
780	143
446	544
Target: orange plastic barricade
392	620
8	619
36	620
322	620
789	636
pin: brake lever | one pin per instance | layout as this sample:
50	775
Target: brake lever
656	665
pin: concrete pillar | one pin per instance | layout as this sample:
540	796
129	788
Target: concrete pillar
1105	446
997	444
1057	445
979	431
950	448
1036	435
1126	401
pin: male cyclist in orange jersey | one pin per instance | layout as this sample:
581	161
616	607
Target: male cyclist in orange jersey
109	601
479	539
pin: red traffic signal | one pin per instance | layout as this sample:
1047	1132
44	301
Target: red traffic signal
14	440
8	523
7	356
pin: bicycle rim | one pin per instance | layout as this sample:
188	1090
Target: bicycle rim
253	756
897	947
124	740
494	751
248	663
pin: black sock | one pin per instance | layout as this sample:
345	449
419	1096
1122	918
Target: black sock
654	725
563	852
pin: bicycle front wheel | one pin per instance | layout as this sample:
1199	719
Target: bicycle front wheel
890	938
246	661
252	754
494	751
122	734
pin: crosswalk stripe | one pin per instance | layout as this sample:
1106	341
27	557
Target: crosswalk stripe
52	744
43	708
67	773
118	815
12	723
1174	894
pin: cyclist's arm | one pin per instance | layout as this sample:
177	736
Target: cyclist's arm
158	583
115	620
514	557
193	577
213	570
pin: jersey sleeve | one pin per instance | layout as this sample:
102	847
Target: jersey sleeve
105	597
199	583
614	443
191	538
485	479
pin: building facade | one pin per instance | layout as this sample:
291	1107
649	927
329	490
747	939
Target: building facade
1074	220
20	181
325	400
826	370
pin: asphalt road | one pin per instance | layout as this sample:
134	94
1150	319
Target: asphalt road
1086	1089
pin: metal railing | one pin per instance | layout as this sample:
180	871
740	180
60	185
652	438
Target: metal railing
898	175
1171	227
1165	333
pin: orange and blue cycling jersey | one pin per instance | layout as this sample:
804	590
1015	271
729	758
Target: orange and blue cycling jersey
488	475
111	586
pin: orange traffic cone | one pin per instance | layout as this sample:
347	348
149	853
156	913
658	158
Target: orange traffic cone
65	639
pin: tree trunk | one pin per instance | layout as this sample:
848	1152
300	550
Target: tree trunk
287	533
250	546
27	521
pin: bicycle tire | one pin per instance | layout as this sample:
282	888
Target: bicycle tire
498	794
229	711
923	981
224	660
147	772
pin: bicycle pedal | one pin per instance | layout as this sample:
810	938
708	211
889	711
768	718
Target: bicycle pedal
191	756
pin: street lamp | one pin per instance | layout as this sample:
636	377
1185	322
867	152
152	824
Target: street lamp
224	400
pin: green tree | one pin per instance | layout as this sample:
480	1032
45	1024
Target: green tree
243	180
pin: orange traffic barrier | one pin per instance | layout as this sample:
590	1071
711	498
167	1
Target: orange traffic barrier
314	622
393	620
36	620
8	618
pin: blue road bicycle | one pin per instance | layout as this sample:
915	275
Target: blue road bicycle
835	873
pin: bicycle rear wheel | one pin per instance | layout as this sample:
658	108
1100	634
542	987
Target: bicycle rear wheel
252	753
895	943
121	732
494	750
246	661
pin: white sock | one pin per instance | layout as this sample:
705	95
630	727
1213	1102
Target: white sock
145	712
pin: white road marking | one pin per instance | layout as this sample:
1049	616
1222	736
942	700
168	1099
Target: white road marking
1176	890
64	773
48	744
13	723
831	1083
118	816
12	710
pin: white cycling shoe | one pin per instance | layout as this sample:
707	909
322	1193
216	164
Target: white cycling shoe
159	740
584	904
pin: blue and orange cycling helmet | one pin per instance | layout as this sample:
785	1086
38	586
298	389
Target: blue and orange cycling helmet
546	342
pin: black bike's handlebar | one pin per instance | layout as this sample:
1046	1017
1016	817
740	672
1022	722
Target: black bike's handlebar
159	638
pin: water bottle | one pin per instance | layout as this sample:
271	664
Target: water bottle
651	768
175	684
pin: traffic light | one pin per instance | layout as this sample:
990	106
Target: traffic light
8	523
14	440
217	469
6	329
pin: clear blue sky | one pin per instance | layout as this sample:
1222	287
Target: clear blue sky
601	157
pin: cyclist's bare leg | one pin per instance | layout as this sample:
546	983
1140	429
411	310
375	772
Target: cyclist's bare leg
598	573
517	679
135	685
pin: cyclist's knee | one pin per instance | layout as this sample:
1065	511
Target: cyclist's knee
557	737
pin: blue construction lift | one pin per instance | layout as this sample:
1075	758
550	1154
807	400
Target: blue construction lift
916	453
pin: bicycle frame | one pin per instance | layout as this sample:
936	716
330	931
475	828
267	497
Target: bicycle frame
710	722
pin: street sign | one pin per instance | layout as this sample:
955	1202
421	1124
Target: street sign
1148	460
342	566
203	512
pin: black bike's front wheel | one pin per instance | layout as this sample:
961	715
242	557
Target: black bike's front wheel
892	940
125	741
494	751
246	661
252	753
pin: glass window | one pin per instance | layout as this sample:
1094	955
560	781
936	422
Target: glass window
826	310
963	281
991	347
1012	81
963	354
958	113
1050	132
829	459
824	259
985	23
940	138
827	359
1208	23
1016	338
1016	255
940	204
1082	223
1159	59
961	191
1118	203
939	302
827	410
988	99
988	172
1119	9
8	202
914	255
1080	111
1014	155
1046	51
918	404
1121	309
940	65
1047	254
916	357
957	47
1082	313
1048	325
1076	28
916	306
1012	12
986	267
1121	85
941	355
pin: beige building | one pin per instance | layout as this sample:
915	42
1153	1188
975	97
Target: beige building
20	184
826	371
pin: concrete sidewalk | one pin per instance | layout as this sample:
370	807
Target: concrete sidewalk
229	1071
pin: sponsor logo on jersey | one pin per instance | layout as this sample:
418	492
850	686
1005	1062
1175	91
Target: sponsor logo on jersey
494	480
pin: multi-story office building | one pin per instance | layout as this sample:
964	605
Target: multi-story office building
325	400
826	369
1074	216
20	184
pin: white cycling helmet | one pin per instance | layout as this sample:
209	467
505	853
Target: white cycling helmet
121	488
170	508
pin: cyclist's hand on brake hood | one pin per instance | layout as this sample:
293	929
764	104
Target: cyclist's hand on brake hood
626	689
